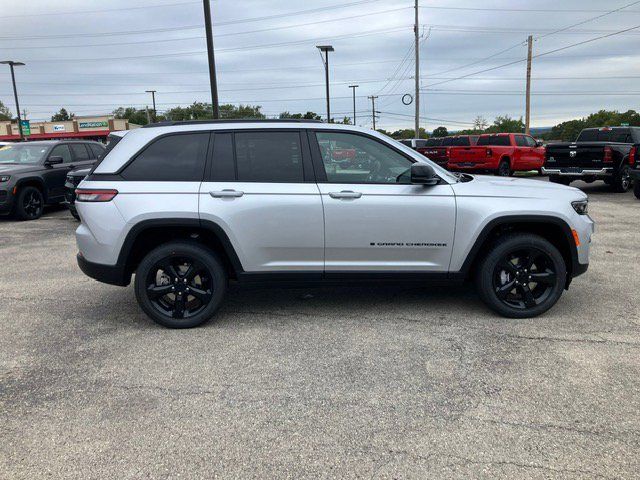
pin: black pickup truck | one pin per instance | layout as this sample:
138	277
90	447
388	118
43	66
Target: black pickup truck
597	154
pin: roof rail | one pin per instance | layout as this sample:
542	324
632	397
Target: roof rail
239	120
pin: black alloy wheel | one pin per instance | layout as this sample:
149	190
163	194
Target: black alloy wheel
30	204
622	180
180	284
504	169
522	275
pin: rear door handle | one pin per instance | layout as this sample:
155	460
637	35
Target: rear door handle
345	194
226	194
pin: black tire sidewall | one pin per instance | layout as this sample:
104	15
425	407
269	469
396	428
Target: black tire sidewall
501	166
484	275
194	250
617	180
19	208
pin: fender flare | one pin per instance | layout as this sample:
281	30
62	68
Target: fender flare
21	181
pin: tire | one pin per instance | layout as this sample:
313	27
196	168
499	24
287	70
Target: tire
636	188
560	180
622	180
29	204
74	213
504	169
530	257
176	270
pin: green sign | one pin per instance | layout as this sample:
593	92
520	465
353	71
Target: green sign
25	126
93	124
624	124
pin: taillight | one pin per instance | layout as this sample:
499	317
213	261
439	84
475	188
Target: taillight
632	156
447	152
91	195
489	152
608	154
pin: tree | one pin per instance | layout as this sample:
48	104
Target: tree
134	115
440	132
506	124
204	111
306	116
5	113
480	123
62	116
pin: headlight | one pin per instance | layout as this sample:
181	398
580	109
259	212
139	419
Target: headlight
581	207
4	178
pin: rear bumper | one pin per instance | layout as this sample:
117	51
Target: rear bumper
111	274
584	172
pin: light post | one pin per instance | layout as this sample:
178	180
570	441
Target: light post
326	49
12	64
353	88
212	61
153	98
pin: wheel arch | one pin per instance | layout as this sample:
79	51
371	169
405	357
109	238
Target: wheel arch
32	182
553	229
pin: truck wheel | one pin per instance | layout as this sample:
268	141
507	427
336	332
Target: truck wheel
560	180
522	276
504	169
180	284
636	188
622	180
29	204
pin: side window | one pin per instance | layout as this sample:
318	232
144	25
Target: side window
531	142
223	168
177	158
521	141
95	150
79	151
269	157
62	151
421	143
351	158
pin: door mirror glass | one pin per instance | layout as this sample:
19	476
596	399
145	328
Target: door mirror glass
53	160
423	174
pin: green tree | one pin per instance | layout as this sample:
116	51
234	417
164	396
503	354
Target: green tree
440	132
5	113
506	124
306	116
134	115
62	116
480	123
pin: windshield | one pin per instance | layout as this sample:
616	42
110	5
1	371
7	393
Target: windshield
22	153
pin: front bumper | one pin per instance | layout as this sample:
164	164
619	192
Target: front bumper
578	172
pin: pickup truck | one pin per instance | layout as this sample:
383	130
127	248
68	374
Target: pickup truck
634	163
597	154
499	153
440	151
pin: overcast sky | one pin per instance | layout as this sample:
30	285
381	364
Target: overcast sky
78	57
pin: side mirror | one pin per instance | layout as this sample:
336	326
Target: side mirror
423	174
539	143
53	161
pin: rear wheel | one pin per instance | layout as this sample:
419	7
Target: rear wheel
29	204
504	169
560	180
622	179
522	276
180	284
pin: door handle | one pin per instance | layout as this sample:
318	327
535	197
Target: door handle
345	194
226	194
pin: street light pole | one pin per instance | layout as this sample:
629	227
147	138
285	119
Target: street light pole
326	49
212	60
353	88
11	64
153	98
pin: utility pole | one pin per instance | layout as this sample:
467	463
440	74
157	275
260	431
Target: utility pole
326	49
353	88
527	121
153	98
148	115
373	109
24	113
416	31
11	64
212	60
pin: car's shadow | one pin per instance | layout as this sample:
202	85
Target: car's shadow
48	210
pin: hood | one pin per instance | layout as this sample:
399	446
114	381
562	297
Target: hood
15	168
509	187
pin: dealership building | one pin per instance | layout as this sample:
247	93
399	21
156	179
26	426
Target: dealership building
86	127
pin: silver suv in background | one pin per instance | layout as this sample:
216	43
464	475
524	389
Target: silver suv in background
190	206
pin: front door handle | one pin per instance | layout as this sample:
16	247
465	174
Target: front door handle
345	194
226	194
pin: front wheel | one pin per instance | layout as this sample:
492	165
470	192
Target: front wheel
622	179
504	169
29	204
522	276
180	284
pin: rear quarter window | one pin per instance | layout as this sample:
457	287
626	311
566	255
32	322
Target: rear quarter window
461	142
494	141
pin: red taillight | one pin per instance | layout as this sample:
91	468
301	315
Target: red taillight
489	152
91	195
608	154
632	156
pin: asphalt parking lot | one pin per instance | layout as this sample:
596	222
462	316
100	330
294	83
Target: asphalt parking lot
383	382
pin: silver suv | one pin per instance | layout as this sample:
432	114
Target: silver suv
190	206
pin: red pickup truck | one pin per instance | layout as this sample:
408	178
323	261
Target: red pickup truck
500	153
441	148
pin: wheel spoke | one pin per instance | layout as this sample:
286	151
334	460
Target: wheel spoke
548	277
508	266
169	269
156	291
505	289
178	307
527	296
203	295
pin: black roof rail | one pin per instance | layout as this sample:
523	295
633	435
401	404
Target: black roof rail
239	120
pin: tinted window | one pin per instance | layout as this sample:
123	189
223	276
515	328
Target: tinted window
531	142
406	142
368	161
96	150
494	140
80	151
474	139
269	157
223	167
434	142
447	142
605	135
61	151
521	141
461	142
421	143
178	158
